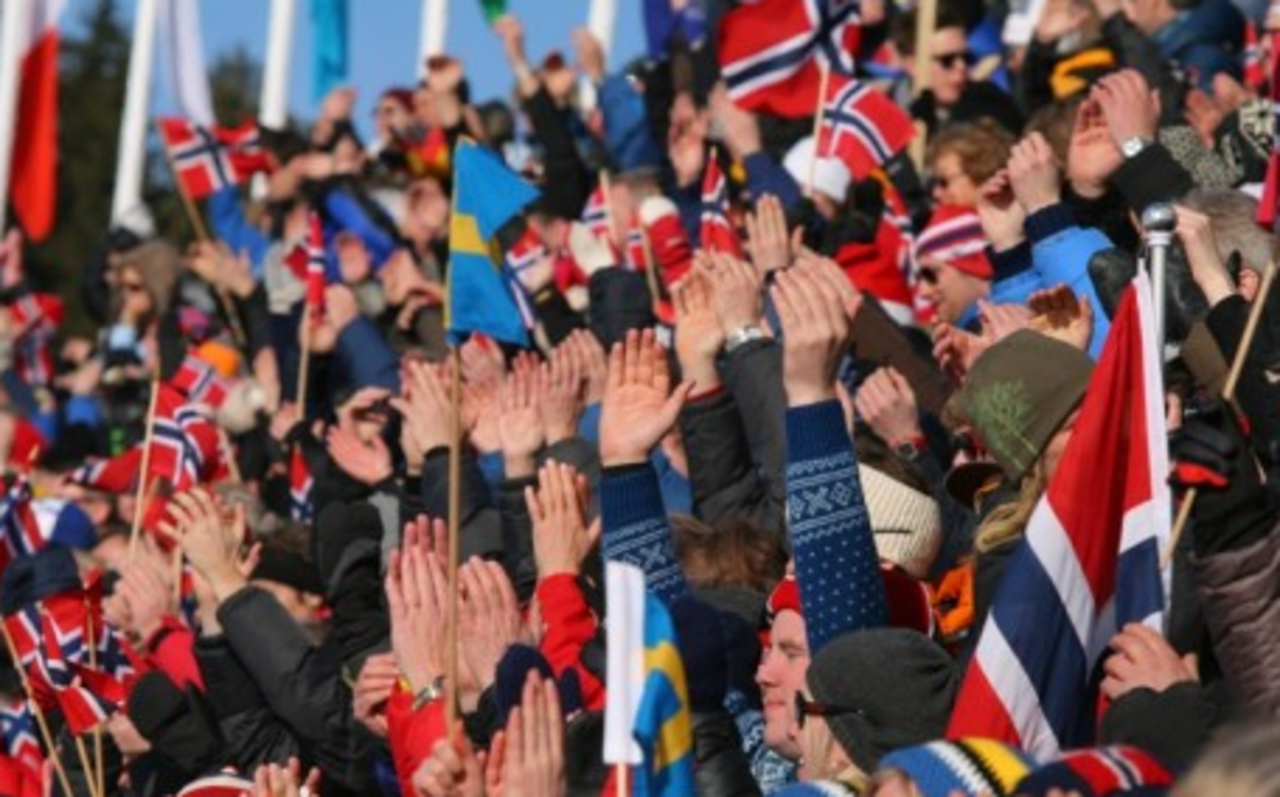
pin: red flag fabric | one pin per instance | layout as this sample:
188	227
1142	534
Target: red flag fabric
771	50
1267	204
1089	562
185	447
1254	76
716	233
862	127
596	214
33	182
209	160
200	383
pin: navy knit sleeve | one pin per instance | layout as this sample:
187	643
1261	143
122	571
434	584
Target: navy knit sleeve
635	529
837	567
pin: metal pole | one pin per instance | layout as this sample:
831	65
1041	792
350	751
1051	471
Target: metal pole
1158	223
14	43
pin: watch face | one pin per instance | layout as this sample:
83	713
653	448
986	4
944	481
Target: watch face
906	451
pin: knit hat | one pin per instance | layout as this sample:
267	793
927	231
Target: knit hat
907	596
970	766
64	523
224	359
1019	392
830	175
1100	772
954	237
159	266
513	670
900	682
223	784
906	522
284	567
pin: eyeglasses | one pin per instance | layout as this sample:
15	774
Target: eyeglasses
949	60
928	275
812	708
943	181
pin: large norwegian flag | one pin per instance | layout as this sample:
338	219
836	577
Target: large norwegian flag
184	442
862	127
1089	563
771	51
207	160
716	234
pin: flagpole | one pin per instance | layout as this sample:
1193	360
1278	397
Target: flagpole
91	776
650	268
455	505
620	779
99	776
922	73
145	468
606	189
16	23
36	711
1229	394
602	20
824	82
435	28
273	109
304	361
133	124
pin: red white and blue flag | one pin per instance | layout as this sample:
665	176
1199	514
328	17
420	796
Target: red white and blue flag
18	727
116	475
596	214
301	482
771	51
527	252
716	233
636	258
862	127
36	318
184	443
200	383
307	262
207	160
1089	563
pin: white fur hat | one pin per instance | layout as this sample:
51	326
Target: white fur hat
906	522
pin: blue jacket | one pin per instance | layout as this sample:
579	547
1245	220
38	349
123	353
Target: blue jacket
626	126
1204	41
226	216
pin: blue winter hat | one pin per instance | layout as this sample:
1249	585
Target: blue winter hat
512	672
967	766
72	527
34	578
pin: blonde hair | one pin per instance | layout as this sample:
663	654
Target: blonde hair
1246	764
1007	521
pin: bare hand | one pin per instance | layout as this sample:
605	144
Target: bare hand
533	744
519	424
1130	106
1093	155
1002	215
559	397
367	462
561	537
816	304
767	238
1142	658
489	620
373	689
1033	174
887	403
639	407
1059	314
699	336
1196	233
415	587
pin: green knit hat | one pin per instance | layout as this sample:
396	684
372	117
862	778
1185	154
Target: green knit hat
1019	392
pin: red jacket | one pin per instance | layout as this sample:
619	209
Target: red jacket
569	627
412	734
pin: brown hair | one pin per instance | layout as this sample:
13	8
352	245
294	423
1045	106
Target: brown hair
982	148
1055	122
736	553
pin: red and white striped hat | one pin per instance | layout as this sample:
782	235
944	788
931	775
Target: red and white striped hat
954	237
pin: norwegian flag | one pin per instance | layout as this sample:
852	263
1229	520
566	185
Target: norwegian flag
717	234
636	258
596	214
24	630
81	707
115	475
200	383
20	741
1254	74
307	262
300	485
862	127
24	534
184	442
524	254
209	160
38	317
771	51
1089	562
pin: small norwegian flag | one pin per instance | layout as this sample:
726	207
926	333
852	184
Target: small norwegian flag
20	741
307	262
524	254
185	448
717	234
200	383
300	486
636	257
115	475
23	532
38	317
209	160
596	214
81	707
862	127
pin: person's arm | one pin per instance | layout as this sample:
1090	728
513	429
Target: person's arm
721	473
569	627
254	735
228	223
353	218
837	567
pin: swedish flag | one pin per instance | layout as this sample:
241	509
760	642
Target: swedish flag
662	724
486	194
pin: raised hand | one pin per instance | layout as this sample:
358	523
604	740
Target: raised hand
887	403
425	408
686	140
1195	231
146	587
416	601
816	304
767	238
561	537
482	363
453	769
532	748
639	406
1093	155
368	462
736	292
1033	174
373	688
210	538
1002	215
489	620
1142	658
738	128
520	425
699	335
559	396
1129	105
1058	313
592	362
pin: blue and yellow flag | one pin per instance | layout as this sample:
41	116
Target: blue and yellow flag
662	724
486	195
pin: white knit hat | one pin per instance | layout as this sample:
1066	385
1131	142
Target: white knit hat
906	522
830	175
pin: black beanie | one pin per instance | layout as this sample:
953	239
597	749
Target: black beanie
284	567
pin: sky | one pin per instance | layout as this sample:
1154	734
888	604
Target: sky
383	44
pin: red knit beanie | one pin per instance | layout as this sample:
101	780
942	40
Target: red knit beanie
954	237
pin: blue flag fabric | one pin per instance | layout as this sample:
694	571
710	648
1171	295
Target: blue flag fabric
328	46
486	195
663	726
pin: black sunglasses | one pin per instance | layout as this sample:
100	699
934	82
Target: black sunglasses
949	60
928	275
812	708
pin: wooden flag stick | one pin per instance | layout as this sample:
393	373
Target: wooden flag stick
620	779
36	711
922	72
1228	393
229	454
99	775
304	362
141	495
606	190
90	775
455	509
824	82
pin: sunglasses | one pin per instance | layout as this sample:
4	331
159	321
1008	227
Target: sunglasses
928	275
812	708
949	60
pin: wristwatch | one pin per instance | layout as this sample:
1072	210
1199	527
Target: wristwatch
909	449
429	693
1133	145
740	337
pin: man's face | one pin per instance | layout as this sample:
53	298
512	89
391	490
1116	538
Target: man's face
950	290
780	675
950	54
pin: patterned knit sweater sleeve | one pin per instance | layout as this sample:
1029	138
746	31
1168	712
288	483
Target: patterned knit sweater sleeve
635	528
837	567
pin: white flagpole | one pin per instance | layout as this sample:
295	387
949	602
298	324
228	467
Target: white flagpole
435	27
601	21
273	105
133	126
183	47
16	24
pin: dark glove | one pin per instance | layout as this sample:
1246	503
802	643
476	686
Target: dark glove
1204	454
